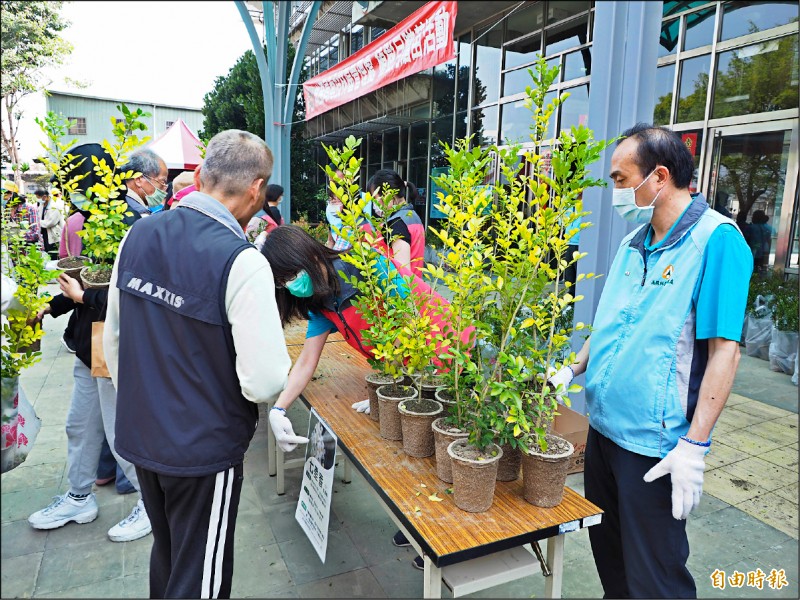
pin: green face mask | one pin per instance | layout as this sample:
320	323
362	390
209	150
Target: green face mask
156	198
300	286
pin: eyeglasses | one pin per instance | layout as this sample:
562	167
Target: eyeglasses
161	184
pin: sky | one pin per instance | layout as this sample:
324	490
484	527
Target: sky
164	52
172	51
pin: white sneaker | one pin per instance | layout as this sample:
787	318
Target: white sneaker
132	527
63	510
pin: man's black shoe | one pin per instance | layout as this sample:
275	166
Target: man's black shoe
418	563
400	540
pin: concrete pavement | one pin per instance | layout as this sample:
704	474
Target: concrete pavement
747	520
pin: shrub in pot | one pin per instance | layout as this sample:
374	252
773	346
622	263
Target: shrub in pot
505	251
402	332
783	347
105	227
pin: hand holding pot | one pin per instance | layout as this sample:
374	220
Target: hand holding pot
282	428
685	463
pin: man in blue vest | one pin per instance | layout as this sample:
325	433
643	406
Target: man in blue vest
664	351
193	340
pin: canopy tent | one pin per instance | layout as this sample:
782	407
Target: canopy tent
178	146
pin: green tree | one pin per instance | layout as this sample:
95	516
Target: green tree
30	43
237	102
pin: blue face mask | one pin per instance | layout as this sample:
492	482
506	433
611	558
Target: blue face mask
300	286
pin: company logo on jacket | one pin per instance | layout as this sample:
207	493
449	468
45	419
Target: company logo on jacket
666	277
159	293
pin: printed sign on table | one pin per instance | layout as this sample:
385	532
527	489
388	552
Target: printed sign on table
314	505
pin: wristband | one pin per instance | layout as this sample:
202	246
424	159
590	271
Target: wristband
283	410
571	370
696	443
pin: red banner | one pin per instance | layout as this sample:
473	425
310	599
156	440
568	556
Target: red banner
422	40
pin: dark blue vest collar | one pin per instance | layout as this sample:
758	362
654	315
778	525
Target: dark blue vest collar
213	208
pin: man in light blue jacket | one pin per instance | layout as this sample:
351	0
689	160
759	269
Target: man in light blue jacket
664	352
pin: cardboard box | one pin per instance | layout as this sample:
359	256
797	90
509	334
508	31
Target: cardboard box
573	427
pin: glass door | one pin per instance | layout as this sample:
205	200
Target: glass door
752	178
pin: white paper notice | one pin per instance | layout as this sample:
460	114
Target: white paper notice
314	505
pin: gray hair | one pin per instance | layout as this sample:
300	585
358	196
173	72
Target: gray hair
234	159
145	162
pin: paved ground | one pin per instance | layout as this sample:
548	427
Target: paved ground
747	520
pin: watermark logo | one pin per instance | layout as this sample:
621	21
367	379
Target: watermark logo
754	579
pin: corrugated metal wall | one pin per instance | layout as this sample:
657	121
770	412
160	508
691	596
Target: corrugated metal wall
98	113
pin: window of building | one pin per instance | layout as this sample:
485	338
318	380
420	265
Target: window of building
668	42
665	80
699	28
356	39
575	111
168	124
525	21
566	35
693	88
756	79
484	126
523	51
376	32
77	125
742	18
578	64
487	59
564	9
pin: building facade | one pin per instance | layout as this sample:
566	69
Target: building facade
92	115
722	74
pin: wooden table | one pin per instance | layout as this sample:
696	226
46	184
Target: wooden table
441	532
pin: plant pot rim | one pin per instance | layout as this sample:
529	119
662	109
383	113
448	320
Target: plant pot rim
369	378
80	256
92	284
550	457
475	463
403	410
413	393
436	425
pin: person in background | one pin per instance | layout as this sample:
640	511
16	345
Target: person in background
759	237
191	351
261	226
332	210
659	365
57	200
406	231
182	182
51	221
92	411
149	189
26	215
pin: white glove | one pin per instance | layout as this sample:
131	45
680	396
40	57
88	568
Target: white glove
282	428
685	463
560	381
362	407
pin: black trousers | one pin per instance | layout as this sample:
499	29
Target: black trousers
639	549
193	520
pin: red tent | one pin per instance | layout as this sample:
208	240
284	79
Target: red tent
178	146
